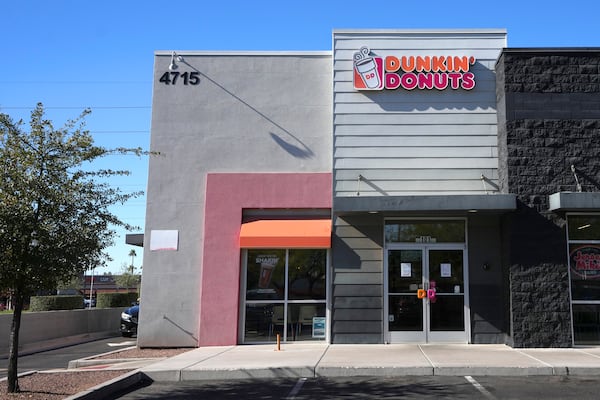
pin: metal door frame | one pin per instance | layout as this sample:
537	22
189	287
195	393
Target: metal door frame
426	335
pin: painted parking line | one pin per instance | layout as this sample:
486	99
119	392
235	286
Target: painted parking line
296	389
479	387
126	343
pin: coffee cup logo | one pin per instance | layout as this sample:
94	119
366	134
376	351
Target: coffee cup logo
368	70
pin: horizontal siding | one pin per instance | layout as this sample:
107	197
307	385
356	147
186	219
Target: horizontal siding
364	315
408	142
357	327
414	174
414	41
475	164
440	118
418	99
358	290
358	302
409	108
421	141
357	338
417	152
357	299
368	131
412	186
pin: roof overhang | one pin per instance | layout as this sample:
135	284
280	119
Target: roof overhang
574	201
311	233
499	203
135	239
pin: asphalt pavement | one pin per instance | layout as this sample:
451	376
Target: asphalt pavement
310	364
60	356
405	387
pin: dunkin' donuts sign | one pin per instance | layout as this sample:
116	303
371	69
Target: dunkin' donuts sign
409	72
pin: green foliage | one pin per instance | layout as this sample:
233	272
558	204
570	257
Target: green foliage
50	303
55	220
75	282
111	300
128	278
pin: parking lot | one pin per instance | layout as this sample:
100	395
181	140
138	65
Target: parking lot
432	387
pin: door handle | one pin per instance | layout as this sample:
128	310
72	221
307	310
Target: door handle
431	294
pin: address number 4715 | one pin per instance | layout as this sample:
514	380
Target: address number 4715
174	77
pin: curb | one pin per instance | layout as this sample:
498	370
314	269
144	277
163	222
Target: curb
109	388
87	361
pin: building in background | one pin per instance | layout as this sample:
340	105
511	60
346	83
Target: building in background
408	186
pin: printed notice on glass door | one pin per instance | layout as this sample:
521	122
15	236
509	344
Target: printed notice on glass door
446	270
405	270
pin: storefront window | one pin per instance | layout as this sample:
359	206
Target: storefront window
584	227
285	295
265	276
425	231
584	270
307	274
586	323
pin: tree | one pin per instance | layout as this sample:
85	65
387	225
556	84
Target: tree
128	277
55	220
132	254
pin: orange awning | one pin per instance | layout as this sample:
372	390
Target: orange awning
312	233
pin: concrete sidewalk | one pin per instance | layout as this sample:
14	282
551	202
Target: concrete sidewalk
320	360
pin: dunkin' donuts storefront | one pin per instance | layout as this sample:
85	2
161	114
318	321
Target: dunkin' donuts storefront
408	186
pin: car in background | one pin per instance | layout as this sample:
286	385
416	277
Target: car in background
129	321
89	303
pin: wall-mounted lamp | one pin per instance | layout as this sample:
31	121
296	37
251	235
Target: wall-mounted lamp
173	65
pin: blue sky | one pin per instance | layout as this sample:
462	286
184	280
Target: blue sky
71	55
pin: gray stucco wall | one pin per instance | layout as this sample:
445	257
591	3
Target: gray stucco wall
250	112
51	329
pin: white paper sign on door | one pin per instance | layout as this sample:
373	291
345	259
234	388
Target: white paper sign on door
446	270
405	270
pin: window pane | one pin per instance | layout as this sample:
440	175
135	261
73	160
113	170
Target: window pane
585	271
405	271
447	313
265	278
308	321
405	313
265	321
586	323
584	227
307	269
425	231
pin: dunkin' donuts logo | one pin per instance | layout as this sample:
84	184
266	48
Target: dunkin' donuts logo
412	72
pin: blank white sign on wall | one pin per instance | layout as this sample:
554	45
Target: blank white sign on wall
162	240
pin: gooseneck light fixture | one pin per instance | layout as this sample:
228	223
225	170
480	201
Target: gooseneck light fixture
173	65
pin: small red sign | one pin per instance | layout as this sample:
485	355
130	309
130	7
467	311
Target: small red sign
585	262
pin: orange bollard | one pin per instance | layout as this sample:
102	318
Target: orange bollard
278	342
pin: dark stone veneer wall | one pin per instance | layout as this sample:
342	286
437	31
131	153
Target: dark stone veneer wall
548	120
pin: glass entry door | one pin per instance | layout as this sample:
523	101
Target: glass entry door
425	292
